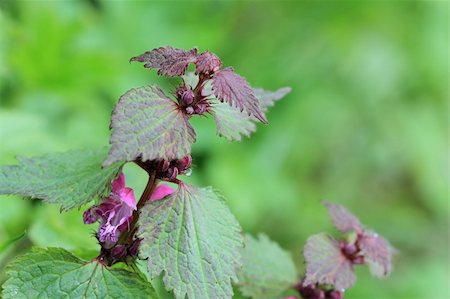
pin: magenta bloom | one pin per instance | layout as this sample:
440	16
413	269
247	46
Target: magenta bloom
114	212
161	191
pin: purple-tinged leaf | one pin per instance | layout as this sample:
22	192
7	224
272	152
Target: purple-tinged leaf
232	123
377	253
146	124
326	264
267	98
207	63
167	60
236	91
342	218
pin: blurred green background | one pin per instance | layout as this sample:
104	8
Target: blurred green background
365	125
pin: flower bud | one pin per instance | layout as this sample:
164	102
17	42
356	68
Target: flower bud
190	110
207	63
187	97
335	295
133	250
201	108
119	252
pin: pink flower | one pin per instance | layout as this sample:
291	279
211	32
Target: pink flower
161	191
114	213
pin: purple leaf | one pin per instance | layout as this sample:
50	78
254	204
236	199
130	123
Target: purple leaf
169	61
326	264
377	253
342	219
146	124
232	123
236	91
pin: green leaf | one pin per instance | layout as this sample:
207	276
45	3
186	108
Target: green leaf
147	124
232	123
194	239
267	269
56	273
70	179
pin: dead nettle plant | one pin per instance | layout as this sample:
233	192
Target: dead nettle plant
186	235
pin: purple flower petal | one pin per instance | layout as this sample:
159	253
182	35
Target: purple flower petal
161	191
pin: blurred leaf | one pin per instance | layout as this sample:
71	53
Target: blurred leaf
342	218
67	230
377	253
326	264
6	243
267	270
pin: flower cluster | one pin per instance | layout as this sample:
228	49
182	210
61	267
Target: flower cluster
114	213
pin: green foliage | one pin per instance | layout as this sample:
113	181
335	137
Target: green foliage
70	179
147	124
55	273
366	124
194	239
232	123
267	269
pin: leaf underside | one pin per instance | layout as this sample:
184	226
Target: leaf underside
232	123
377	253
229	87
342	218
267	269
168	61
326	264
146	124
70	179
194	239
56	273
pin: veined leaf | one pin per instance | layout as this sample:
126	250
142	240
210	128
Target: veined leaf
70	179
147	124
232	123
326	264
377	253
168	61
342	218
56	273
229	87
267	269
194	239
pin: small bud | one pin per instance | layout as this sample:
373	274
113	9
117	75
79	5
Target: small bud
89	216
189	110
349	249
184	163
133	250
163	166
335	295
180	91
119	252
201	108
187	97
207	63
172	173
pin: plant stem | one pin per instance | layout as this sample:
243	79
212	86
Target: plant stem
149	188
